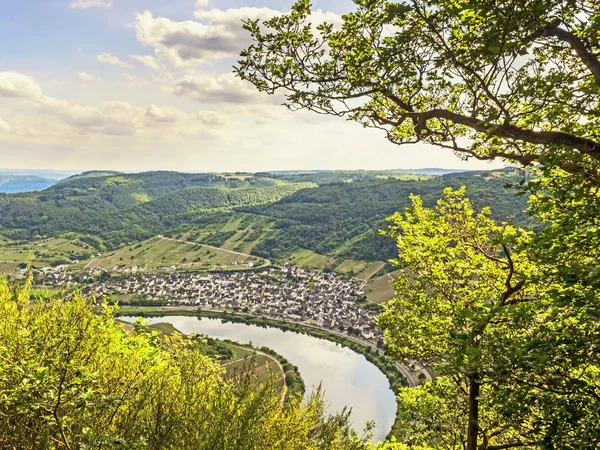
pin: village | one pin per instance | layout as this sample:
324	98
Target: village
288	293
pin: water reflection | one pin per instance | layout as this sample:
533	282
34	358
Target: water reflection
347	377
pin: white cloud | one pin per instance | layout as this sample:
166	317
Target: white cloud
148	61
113	118
84	76
190	43
216	35
202	3
17	85
211	88
4	126
85	4
114	60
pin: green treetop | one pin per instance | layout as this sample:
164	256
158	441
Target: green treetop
511	339
517	79
460	280
72	378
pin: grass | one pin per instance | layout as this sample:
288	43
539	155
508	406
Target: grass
245	225
233	225
370	270
165	329
44	293
352	266
381	289
161	252
309	258
8	267
233	241
45	252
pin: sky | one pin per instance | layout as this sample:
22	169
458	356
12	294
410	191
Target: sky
139	85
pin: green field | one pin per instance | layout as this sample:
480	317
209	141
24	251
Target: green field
46	252
44	293
165	329
241	233
351	266
163	252
381	289
370	270
309	258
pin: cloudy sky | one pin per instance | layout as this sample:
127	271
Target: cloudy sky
147	84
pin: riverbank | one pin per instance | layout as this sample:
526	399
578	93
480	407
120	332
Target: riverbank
293	385
387	366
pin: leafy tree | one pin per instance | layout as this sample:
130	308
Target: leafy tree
517	79
512	338
559	382
460	280
72	378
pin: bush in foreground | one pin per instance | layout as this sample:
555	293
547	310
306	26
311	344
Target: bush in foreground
72	378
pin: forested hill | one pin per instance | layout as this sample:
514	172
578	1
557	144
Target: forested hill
343	219
273	217
124	207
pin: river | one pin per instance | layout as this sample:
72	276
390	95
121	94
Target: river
347	377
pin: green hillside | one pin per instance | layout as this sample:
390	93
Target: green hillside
332	225
91	174
129	207
343	219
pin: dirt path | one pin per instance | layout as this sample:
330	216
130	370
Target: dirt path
267	262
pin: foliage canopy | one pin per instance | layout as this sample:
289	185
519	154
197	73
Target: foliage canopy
518	79
511	335
71	377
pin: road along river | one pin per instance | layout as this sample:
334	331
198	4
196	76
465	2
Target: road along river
347	377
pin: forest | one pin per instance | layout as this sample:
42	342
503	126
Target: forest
340	218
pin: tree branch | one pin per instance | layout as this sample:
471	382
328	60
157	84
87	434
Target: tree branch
586	57
583	145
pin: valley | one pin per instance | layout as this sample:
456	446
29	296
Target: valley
173	222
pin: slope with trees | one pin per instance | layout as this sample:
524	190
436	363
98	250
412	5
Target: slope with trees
516	80
71	377
343	220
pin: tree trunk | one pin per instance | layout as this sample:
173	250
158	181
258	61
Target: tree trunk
473	425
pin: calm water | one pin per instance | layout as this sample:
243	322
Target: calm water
347	377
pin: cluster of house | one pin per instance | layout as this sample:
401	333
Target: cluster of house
288	293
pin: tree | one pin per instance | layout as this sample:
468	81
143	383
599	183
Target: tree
460	280
515	79
71	377
511	335
558	382
518	80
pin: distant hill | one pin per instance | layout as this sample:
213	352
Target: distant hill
320	216
343	219
10	183
42	173
125	207
92	174
324	177
429	171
